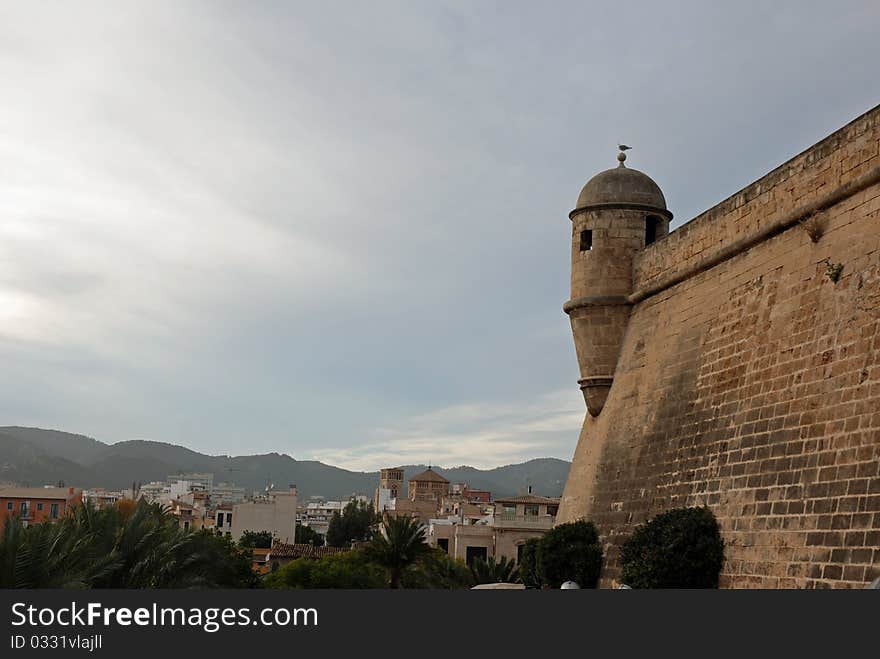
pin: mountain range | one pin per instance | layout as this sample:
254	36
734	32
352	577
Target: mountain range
33	456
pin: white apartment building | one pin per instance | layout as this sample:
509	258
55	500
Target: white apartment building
317	514
101	497
227	493
198	481
154	491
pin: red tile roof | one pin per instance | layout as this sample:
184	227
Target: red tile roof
528	498
429	475
284	550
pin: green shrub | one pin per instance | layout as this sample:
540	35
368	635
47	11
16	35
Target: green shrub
570	552
681	548
528	564
349	569
491	571
437	571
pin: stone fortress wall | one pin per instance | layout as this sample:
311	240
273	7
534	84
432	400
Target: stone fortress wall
747	378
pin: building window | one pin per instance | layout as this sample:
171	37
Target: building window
652	223
586	240
473	553
531	510
53	511
23	509
443	543
219	519
40	506
9	505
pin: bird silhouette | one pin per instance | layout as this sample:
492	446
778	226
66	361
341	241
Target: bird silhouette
623	147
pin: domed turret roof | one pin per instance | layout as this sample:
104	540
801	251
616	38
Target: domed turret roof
622	185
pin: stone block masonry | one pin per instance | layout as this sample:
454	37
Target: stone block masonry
748	378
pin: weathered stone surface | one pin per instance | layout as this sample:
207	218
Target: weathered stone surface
751	386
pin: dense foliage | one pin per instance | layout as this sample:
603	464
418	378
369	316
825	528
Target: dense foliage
437	570
396	557
681	548
396	546
490	571
569	552
355	524
139	546
349	569
306	535
528	571
255	539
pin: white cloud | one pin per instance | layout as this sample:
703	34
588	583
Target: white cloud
293	222
482	436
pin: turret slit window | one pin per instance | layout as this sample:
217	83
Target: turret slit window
652	222
586	240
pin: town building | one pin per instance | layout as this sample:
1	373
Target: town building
427	486
500	533
37	504
519	519
392	480
463	521
191	517
425	493
101	498
193	480
471	495
154	491
227	493
317	514
223	519
275	513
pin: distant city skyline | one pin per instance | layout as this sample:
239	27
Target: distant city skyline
342	234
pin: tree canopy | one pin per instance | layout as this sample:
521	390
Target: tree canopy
138	546
398	545
349	569
256	539
492	571
681	548
569	552
355	524
308	536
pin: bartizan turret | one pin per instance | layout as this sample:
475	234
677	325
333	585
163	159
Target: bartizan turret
618	213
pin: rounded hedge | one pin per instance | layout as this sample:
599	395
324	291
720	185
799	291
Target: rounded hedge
681	548
570	552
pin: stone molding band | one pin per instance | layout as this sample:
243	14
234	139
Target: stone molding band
594	301
783	223
588	383
613	205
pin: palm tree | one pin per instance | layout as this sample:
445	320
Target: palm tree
397	545
488	571
137	547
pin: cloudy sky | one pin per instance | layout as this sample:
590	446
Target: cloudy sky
339	230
